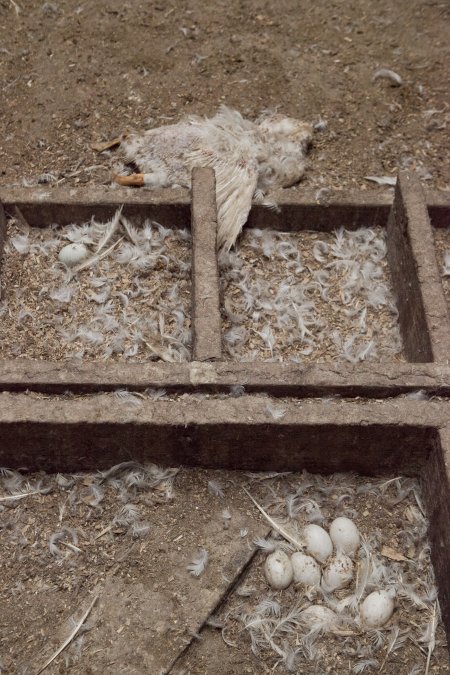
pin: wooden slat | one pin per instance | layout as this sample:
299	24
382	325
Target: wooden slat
3	233
423	313
436	490
278	379
235	433
298	207
206	322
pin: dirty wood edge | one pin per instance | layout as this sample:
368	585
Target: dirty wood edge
414	326
277	379
423	248
299	208
247	558
3	232
94	432
422	307
206	321
435	479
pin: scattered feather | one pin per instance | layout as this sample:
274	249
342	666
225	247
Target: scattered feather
71	637
276	526
275	411
446	265
215	488
393	77
382	180
128	398
199	563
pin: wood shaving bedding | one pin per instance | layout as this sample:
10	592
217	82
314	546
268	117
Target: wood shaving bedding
309	296
133	305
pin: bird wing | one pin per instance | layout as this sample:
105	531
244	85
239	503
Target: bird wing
236	179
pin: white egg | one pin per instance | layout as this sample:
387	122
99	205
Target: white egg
345	535
338	573
72	254
318	616
306	570
278	570
318	542
376	609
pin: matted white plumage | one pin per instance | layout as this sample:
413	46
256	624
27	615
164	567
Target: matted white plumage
249	158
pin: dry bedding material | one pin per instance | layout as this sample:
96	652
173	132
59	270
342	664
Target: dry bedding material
300	296
309	296
133	304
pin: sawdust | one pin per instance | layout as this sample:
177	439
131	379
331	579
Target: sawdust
309	296
76	74
385	525
111	310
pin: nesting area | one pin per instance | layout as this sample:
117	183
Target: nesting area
164	538
165	570
309	296
319	629
442	244
131	305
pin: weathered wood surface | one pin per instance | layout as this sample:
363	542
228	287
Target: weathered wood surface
278	379
206	322
436	489
237	433
299	208
2	236
423	313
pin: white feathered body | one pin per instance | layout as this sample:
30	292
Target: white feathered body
249	159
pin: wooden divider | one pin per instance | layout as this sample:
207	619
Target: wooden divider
206	322
436	489
371	380
74	434
423	314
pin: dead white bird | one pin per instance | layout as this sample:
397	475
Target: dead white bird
249	158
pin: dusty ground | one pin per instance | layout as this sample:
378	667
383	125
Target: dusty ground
76	73
73	74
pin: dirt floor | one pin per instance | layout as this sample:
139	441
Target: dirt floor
121	543
73	74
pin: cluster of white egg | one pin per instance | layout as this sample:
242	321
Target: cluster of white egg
333	572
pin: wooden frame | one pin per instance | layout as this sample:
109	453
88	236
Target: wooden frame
55	416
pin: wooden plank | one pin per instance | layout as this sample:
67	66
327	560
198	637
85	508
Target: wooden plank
277	379
3	233
423	314
206	322
97	431
299	208
436	490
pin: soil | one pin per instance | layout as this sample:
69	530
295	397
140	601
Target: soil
73	74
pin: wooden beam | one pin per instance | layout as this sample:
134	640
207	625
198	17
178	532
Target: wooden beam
278	379
435	480
74	434
423	314
206	322
299	209
3	233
